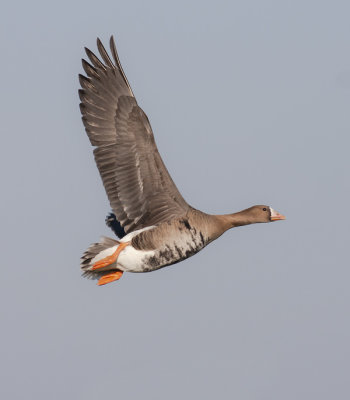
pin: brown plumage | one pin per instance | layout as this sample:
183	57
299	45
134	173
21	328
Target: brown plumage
160	227
138	185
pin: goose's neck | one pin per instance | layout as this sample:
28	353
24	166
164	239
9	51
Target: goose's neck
228	221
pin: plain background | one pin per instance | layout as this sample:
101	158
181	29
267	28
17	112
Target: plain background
249	102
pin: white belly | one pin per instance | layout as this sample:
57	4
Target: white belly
132	260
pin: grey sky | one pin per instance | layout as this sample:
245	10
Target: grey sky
249	103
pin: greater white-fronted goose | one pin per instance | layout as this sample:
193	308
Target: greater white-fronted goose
155	225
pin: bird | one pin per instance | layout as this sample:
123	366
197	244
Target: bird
154	225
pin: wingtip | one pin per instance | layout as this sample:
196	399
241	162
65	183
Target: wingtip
99	43
87	51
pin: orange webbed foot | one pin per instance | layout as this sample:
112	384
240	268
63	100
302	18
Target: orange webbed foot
110	259
108	278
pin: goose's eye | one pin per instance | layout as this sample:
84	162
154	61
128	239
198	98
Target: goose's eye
264	209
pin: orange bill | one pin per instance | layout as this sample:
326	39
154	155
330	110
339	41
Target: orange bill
276	216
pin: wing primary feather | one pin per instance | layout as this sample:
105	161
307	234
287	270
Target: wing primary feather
86	83
89	69
82	95
117	62
95	61
104	54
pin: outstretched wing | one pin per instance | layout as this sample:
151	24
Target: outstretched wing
138	185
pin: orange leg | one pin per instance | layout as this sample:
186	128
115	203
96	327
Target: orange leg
114	276
110	259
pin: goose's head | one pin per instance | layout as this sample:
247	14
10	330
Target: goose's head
263	213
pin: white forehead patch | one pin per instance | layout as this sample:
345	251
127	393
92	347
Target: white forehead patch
273	212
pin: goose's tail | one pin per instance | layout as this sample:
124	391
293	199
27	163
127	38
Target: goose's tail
97	251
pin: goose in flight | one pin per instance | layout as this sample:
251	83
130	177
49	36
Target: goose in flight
155	226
